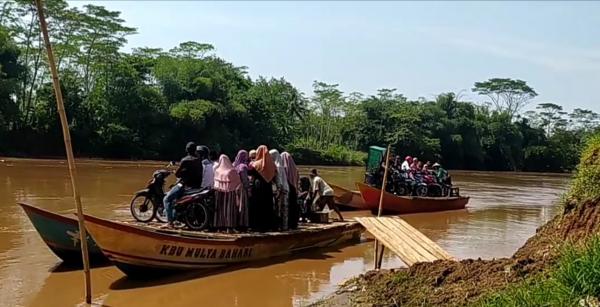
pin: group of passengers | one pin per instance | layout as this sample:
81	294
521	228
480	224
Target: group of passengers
413	170
411	167
261	190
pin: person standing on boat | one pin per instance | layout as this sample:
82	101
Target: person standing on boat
190	177
241	166
208	175
304	198
323	194
262	172
291	172
227	187
282	191
252	155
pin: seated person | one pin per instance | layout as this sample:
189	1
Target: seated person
190	177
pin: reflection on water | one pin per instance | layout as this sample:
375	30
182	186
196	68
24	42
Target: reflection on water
504	210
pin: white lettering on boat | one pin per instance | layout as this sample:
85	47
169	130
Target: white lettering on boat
205	253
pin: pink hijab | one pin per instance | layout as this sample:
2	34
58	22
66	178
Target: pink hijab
290	169
227	178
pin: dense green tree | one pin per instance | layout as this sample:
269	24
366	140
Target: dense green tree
147	103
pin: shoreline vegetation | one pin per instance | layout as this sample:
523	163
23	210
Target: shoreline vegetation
148	102
558	266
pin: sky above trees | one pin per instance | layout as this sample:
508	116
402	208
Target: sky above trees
421	49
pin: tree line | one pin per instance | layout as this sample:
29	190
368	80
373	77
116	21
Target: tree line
147	103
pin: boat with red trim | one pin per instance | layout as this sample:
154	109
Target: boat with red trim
143	250
394	204
61	234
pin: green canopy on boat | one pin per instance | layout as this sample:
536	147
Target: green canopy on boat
374	159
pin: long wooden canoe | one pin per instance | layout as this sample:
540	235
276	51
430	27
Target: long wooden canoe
347	199
143	250
61	234
408	204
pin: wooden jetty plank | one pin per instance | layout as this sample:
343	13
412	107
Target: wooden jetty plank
416	236
400	249
401	236
419	253
440	252
404	240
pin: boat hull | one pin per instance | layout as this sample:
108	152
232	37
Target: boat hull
61	235
138	250
348	199
394	204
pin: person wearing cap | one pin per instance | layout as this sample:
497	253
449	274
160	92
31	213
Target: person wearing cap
190	177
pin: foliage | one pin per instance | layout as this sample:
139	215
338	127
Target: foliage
574	280
147	103
585	184
507	95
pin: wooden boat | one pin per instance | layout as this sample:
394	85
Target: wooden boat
61	234
142	250
408	204
347	199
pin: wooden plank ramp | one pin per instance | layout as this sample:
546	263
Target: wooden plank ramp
404	240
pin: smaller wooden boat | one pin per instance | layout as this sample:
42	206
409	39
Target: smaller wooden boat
140	251
408	204
347	199
61	234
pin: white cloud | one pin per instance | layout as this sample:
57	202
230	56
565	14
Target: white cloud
556	57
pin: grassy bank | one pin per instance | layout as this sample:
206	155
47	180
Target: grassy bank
558	266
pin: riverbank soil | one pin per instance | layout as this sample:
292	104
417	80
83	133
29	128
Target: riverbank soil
454	283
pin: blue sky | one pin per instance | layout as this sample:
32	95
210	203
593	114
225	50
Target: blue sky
419	48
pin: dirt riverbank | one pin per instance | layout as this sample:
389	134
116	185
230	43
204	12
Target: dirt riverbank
457	283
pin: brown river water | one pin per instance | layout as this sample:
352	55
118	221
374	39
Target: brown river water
504	210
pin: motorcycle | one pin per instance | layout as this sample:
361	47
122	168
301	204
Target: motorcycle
193	209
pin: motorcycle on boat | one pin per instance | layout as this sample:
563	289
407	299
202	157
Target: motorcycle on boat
193	209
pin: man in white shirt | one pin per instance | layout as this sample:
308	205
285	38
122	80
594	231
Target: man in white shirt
406	164
323	194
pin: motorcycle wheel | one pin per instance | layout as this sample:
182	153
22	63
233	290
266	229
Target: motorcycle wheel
402	190
161	215
142	208
421	191
196	216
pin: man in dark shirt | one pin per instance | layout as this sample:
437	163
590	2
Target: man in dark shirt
190	177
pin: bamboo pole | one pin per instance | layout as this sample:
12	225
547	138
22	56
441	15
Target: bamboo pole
385	172
69	150
379	253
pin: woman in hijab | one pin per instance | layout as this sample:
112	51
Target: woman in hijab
241	166
262	172
291	172
282	191
227	186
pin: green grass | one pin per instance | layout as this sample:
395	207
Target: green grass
585	185
575	277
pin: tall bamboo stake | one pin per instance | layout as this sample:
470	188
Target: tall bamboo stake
379	253
69	150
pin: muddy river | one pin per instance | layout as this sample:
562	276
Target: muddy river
504	210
